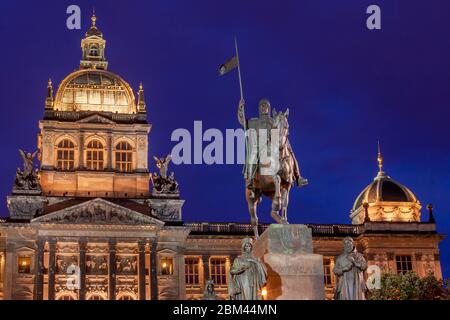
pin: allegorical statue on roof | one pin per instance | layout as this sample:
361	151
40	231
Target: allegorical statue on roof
248	275
349	269
162	183
27	179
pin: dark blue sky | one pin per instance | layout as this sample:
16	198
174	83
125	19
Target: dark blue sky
346	87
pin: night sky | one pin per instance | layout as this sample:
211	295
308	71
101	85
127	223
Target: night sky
346	87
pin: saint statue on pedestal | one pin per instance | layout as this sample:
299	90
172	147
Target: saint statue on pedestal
349	269
247	275
209	293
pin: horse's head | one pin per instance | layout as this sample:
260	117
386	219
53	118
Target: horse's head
280	122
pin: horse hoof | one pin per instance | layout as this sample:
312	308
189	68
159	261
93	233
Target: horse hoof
276	217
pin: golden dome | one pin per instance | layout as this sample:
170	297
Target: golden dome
385	200
94	90
384	189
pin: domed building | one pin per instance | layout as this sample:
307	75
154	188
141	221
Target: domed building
385	199
94	135
87	226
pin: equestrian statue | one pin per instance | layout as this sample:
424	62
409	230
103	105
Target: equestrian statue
270	165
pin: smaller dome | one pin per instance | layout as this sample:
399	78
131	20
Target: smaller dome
387	201
385	189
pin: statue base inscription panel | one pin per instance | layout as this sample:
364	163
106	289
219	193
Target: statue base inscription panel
294	272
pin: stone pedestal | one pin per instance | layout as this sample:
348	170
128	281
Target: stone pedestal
294	272
166	209
25	207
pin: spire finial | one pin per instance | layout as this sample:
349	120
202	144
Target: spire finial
141	100
49	97
93	18
380	161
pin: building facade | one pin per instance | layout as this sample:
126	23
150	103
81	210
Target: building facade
94	229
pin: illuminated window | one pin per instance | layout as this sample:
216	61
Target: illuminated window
166	266
96	297
93	51
191	271
126	297
404	263
23	264
124	157
65	155
66	297
94	155
218	271
327	272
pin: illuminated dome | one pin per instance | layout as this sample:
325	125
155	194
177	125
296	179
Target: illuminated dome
94	90
385	200
385	189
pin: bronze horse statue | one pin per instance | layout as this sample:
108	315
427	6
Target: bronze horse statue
278	183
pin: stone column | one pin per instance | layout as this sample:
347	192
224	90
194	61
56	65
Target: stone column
10	259
112	269
51	269
39	265
109	151
153	273
81	151
82	265
141	248
206	271
180	265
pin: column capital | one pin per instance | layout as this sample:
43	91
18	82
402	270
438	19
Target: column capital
141	244
112	244
82	242
52	241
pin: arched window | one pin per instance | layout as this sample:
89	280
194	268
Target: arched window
124	157
94	155
126	297
96	297
93	51
66	297
65	156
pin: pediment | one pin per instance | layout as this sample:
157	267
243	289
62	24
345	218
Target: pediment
99	212
96	118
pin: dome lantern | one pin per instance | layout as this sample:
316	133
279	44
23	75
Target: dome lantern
93	48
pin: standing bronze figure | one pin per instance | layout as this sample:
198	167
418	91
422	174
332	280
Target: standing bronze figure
270	166
349	269
248	275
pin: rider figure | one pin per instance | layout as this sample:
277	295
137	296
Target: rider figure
253	147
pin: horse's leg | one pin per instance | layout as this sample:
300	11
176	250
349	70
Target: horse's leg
252	202
285	203
276	200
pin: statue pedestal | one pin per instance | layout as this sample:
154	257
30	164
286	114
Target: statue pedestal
25	207
294	272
